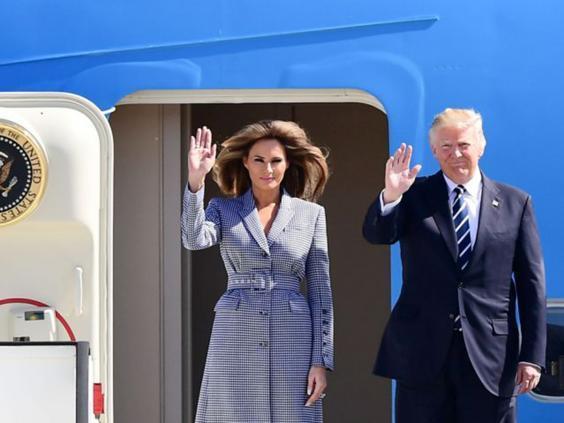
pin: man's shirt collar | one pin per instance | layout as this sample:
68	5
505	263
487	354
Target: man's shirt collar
473	186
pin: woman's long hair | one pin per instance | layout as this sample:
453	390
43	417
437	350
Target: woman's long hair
305	177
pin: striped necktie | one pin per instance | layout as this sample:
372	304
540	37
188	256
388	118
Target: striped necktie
462	227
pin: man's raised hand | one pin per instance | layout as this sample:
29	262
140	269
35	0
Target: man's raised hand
399	177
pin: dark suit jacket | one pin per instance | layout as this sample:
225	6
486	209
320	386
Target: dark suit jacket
506	265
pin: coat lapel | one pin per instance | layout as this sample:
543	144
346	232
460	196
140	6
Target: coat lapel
284	215
490	207
438	194
249	214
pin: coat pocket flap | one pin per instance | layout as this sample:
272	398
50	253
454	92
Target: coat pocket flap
297	303
228	301
500	326
297	306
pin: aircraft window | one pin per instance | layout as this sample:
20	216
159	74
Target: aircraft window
551	385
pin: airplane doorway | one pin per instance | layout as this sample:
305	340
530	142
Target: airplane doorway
356	136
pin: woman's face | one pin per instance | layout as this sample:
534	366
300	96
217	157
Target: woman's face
266	163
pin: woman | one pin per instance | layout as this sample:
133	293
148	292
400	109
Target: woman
270	347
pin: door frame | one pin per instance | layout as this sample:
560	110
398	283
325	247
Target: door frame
173	391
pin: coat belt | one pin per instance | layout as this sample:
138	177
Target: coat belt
263	281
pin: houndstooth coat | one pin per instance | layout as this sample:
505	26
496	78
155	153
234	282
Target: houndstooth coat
266	335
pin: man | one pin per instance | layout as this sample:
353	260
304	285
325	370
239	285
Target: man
469	249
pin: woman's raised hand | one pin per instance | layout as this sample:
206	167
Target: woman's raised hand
201	158
399	177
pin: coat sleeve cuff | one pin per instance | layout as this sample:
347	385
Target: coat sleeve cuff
537	366
198	196
386	209
324	363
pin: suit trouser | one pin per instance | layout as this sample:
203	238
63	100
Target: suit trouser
457	397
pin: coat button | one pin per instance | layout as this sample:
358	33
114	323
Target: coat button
263	344
451	316
325	322
324	311
325	332
461	284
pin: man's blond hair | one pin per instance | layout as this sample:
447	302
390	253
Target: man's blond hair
458	118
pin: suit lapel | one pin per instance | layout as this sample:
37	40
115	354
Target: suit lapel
249	214
489	213
284	215
438	194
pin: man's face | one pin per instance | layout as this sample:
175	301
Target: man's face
458	151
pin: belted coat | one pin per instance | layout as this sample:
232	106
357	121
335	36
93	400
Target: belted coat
266	335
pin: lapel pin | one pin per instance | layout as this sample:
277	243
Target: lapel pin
495	203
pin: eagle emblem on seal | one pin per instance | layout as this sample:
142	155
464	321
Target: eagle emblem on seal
5	167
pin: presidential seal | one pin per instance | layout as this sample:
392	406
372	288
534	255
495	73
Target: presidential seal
23	169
